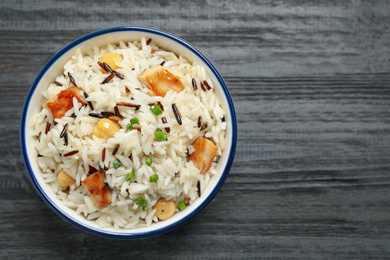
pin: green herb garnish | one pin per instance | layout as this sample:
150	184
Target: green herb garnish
130	176
182	206
117	163
161	136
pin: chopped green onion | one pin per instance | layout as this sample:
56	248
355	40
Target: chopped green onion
161	136
142	203
134	121
153	178
182	206
129	127
149	161
130	176
156	110
117	163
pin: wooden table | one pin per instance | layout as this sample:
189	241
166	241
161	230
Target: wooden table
311	85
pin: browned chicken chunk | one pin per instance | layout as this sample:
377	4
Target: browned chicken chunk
61	103
99	191
204	153
160	80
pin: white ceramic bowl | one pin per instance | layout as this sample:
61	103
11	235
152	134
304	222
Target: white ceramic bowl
54	67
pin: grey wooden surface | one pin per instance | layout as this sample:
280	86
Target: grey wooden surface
311	85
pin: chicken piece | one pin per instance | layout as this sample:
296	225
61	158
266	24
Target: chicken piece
161	80
204	153
61	103
98	189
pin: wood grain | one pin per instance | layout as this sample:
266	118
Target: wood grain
311	84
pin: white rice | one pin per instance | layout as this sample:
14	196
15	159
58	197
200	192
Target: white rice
177	177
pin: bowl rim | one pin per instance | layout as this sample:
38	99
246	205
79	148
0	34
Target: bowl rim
102	232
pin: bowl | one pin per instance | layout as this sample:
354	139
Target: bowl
54	67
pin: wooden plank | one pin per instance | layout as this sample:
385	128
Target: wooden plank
311	85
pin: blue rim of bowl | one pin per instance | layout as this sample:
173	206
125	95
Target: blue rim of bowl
102	232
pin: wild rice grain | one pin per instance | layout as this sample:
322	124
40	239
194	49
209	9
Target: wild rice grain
71	79
148	41
57	83
66	139
102	66
203	127
188	155
115	149
176	112
91	170
198	187
119	75
207	85
88	102
71	153
106	187
194	84
108	79
47	128
63	132
160	105
117	113
127	90
103	154
128	105
164	120
108	68
115	118
199	121
202	86
97	115
162	63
